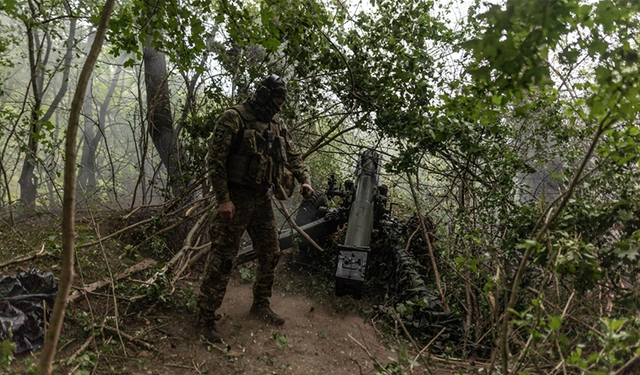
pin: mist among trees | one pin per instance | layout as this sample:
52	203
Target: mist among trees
512	124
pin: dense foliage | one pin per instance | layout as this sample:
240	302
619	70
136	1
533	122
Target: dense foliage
515	122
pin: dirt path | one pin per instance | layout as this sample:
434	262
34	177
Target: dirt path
317	338
314	340
321	335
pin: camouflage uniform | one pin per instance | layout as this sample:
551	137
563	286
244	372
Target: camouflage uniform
241	170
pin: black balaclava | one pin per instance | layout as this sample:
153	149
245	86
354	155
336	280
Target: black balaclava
261	103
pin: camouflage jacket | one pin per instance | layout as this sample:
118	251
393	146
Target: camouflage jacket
237	153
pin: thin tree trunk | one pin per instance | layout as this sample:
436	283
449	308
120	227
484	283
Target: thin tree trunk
141	149
27	181
189	102
164	138
425	233
87	176
68	208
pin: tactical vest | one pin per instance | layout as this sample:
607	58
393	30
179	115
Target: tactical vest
250	163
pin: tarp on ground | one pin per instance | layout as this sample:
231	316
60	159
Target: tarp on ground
23	300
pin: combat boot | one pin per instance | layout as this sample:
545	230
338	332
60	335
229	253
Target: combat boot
263	311
207	329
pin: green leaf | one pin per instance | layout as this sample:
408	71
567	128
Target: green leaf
281	341
626	249
593	357
555	322
402	309
8	6
614	324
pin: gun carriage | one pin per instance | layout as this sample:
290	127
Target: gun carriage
364	207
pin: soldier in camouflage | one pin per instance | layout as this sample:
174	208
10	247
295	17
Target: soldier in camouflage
250	156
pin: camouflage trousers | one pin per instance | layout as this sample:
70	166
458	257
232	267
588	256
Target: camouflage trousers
254	214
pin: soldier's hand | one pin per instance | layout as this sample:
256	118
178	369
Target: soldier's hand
226	211
306	191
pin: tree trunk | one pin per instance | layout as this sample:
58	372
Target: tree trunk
37	61
27	181
68	208
87	175
164	138
87	181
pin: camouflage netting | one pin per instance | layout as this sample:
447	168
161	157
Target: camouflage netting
397	277
419	306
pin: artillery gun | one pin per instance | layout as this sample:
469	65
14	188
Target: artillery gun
354	254
363	207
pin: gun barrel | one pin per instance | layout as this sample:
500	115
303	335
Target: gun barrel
361	213
354	254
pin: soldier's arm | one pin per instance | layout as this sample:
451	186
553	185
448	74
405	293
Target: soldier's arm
294	159
220	144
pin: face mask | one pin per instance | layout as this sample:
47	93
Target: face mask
264	111
262	100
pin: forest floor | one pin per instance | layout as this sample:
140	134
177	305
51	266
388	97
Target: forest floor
156	333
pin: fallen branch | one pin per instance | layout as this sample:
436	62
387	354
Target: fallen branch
204	250
82	348
63	347
419	355
415	344
135	225
144	332
130	338
188	245
176	258
27	257
177	366
124	298
297	228
123	230
127	216
430	343
178	223
371	356
102	283
187	194
630	362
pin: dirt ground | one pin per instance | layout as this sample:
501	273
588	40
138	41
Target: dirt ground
314	340
322	334
317	338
